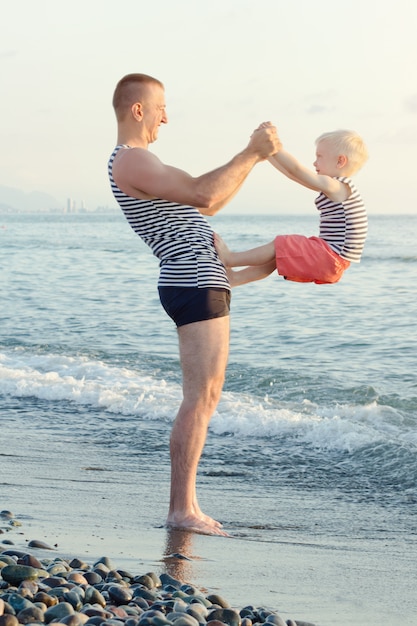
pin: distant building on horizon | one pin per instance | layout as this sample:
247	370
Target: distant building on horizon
73	208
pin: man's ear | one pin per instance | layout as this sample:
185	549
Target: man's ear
137	111
341	161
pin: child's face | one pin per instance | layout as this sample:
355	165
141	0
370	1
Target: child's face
326	159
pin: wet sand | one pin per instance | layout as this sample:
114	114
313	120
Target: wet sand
312	583
61	496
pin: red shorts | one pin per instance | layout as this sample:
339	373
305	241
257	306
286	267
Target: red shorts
308	260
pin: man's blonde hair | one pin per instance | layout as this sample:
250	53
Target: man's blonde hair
129	90
350	144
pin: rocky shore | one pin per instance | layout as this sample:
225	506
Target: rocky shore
72	592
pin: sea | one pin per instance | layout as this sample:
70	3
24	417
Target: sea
314	441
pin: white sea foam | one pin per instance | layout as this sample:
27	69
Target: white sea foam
124	391
86	382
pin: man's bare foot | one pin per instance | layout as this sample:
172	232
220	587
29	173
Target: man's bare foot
206	518
222	250
203	525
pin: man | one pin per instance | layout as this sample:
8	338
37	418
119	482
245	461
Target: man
165	206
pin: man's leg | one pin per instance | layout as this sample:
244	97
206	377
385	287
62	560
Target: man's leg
204	349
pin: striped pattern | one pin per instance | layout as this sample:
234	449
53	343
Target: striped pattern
178	235
344	225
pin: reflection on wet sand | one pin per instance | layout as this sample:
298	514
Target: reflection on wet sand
178	557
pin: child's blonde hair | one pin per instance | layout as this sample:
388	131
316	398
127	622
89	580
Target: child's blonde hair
350	144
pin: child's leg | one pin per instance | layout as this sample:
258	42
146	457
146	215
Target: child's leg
249	274
256	256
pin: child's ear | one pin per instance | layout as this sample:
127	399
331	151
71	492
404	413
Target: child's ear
341	161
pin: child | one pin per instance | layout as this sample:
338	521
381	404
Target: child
343	220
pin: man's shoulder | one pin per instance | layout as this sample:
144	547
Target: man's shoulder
135	157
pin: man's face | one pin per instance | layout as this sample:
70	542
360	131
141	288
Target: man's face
154	110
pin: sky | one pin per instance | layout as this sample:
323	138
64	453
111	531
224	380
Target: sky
227	65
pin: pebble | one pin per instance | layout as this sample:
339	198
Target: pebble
6	514
226	616
34	543
15	574
31	614
74	593
8	620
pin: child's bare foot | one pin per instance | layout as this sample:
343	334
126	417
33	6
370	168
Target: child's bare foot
222	250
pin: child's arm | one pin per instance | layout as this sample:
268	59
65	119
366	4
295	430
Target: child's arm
281	168
250	274
288	165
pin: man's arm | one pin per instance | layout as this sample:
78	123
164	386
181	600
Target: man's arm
141	174
212	210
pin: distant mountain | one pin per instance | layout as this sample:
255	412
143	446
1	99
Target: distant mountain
17	201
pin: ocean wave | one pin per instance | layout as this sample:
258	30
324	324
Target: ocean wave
81	380
146	393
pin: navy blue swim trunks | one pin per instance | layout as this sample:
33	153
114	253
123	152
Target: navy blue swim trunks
186	305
